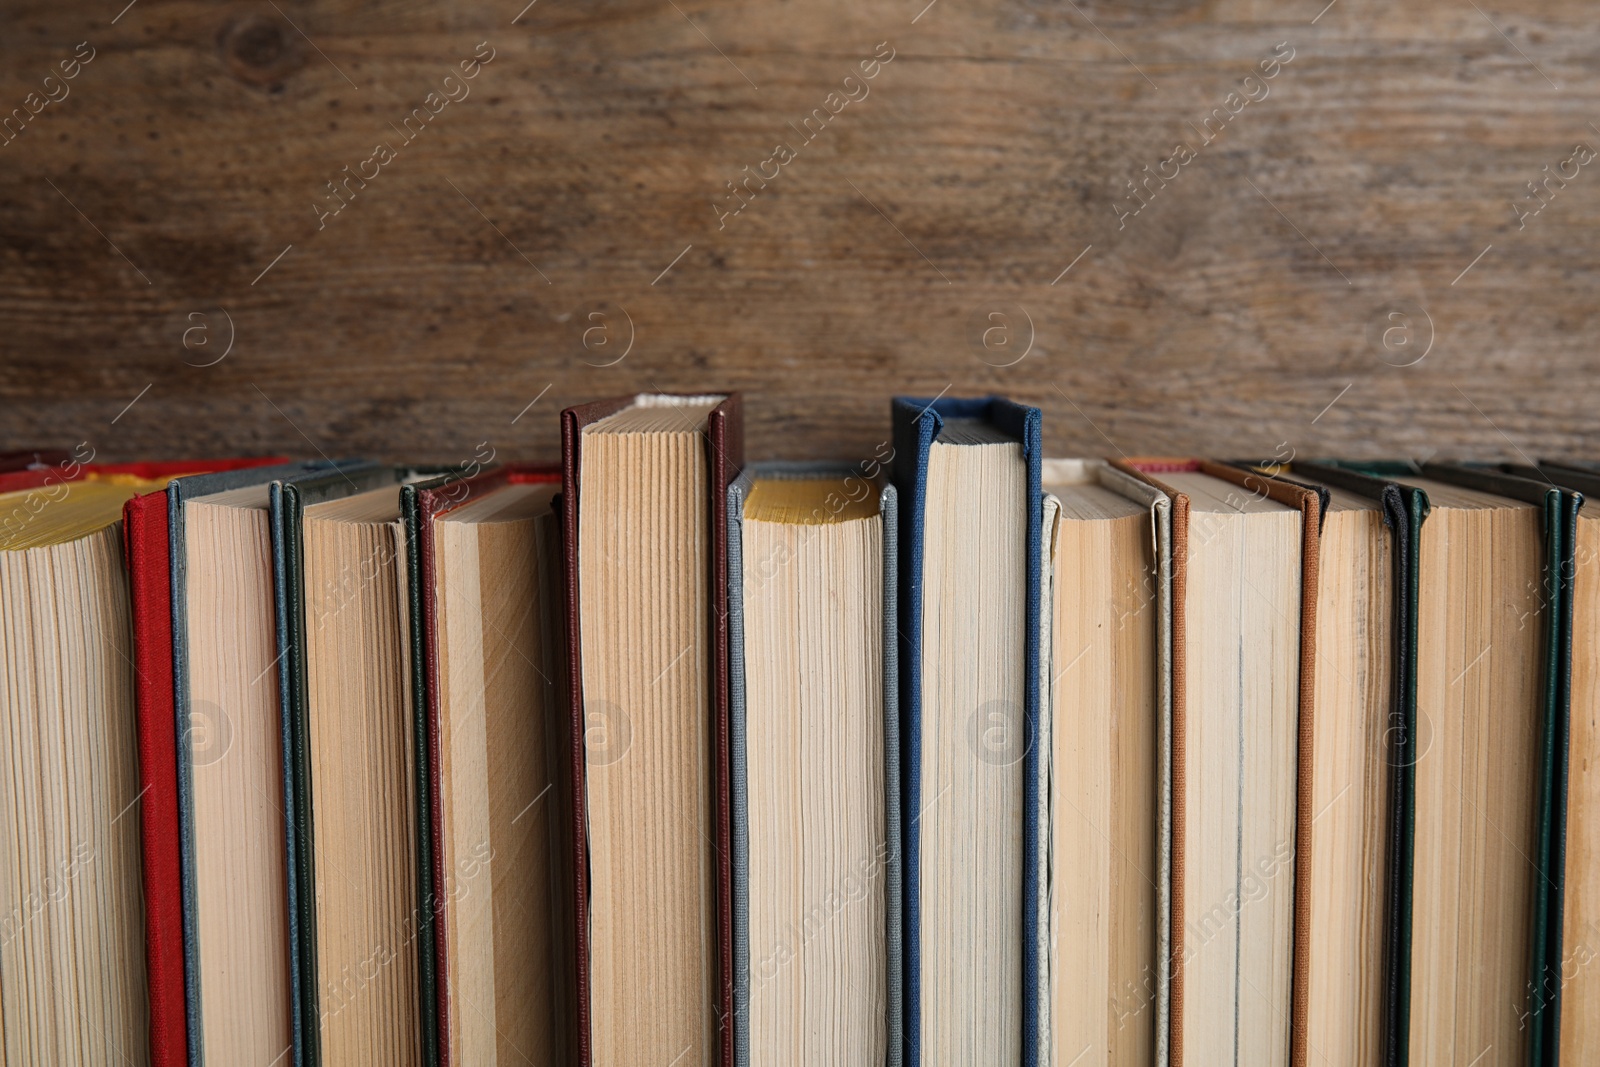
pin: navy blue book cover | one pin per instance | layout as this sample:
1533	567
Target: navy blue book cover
917	424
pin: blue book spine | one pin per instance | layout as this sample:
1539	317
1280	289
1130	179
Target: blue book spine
917	424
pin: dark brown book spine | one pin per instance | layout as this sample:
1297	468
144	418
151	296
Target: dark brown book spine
573	423
573	420
433	500
725	442
725	458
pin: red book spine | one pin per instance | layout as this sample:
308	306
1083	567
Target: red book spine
145	538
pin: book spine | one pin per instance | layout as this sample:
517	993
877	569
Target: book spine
146	544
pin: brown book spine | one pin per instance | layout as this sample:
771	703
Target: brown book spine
573	420
725	458
725	443
432	503
1310	504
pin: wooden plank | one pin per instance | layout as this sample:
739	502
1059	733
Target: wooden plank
583	171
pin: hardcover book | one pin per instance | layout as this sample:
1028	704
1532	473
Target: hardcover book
350	801
814	759
1109	725
1561	500
1237	716
149	532
967	473
645	564
1350	763
483	585
1569	987
72	929
1477	861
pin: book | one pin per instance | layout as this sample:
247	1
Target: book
484	589
644	530
1560	503
650	758
1348	768
1110	773
230	766
351	808
1488	705
72	957
1572	1030
148	536
814	758
1236	720
1404	509
967	473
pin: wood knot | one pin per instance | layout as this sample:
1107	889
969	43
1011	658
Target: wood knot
259	50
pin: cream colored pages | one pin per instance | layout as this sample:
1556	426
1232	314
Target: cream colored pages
1479	719
362	782
72	975
813	611
1243	687
644	548
1159	509
1104	782
1353	696
235	753
494	779
1580	952
973	742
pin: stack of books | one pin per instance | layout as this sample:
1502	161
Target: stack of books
952	755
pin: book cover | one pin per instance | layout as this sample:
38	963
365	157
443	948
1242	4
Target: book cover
917	423
420	503
287	500
1159	506
739	757
146	544
724	453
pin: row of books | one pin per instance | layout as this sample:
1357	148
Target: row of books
952	755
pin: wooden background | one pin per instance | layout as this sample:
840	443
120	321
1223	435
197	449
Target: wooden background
168	206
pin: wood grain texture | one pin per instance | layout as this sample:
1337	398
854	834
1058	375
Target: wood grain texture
457	285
